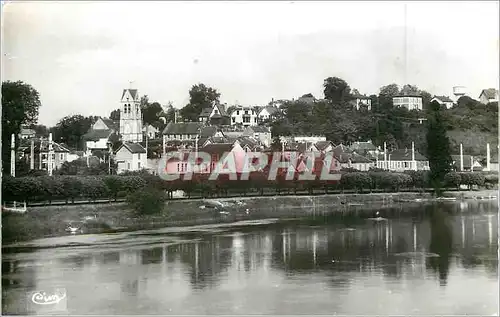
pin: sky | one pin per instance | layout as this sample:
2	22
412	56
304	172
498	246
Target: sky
81	55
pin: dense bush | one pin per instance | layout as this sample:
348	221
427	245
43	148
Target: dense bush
491	180
453	179
73	187
147	201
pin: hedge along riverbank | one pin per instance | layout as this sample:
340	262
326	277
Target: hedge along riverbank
112	187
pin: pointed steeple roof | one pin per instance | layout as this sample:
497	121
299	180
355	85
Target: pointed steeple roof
133	93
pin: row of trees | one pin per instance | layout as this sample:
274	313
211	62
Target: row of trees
69	188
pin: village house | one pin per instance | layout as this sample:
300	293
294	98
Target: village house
366	149
410	102
151	131
267	113
100	136
355	161
488	95
214	115
182	131
361	102
130	157
261	133
41	154
443	100
244	115
470	163
402	160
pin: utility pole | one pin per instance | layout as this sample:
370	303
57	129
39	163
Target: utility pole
147	138
13	155
51	152
461	158
32	155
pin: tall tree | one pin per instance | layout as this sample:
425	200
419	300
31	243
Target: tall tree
410	90
20	105
151	114
200	96
40	129
336	90
438	146
115	115
70	129
385	96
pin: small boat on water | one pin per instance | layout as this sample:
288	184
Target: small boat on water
15	207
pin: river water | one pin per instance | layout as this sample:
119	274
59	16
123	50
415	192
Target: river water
419	260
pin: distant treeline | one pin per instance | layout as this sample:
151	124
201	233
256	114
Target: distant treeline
112	187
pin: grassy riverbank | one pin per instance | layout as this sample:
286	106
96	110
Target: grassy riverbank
49	221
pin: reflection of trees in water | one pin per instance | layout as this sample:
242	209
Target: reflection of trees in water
441	243
109	257
78	261
152	256
206	260
13	275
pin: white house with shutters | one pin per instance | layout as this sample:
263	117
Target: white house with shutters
244	115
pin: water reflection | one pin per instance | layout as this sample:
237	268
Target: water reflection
441	243
283	268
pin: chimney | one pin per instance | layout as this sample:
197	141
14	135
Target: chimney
488	157
461	158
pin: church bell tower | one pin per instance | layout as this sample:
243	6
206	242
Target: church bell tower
131	116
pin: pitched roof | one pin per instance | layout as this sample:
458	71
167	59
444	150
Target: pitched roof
339	149
208	131
244	141
132	147
490	93
322	145
43	146
269	109
443	98
183	128
133	93
96	135
405	155
110	123
217	148
205	112
363	146
356	158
